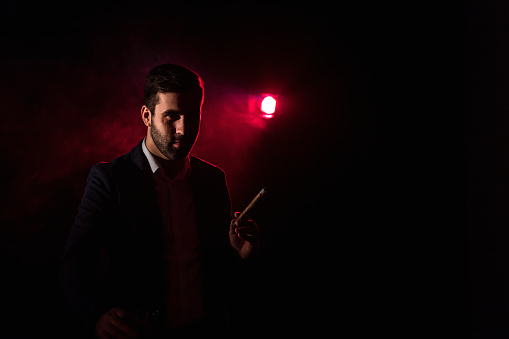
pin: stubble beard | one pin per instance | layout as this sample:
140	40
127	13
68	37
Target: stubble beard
164	146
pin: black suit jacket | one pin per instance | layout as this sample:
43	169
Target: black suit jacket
114	254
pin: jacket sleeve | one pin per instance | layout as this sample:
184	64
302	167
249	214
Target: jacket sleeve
80	266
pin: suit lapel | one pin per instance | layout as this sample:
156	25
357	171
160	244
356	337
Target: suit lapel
139	195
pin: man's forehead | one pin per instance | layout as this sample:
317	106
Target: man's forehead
179	100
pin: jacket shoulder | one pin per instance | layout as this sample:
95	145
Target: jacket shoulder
202	165
119	170
112	166
134	157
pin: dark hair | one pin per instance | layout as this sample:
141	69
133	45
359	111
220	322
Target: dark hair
169	78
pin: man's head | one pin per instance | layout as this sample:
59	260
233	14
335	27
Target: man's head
173	98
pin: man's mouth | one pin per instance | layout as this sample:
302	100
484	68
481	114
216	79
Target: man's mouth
176	142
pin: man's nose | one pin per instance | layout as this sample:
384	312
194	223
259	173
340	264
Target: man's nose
179	125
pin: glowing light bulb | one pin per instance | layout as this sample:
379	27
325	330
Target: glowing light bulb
268	105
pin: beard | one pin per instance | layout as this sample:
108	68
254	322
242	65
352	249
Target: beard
165	145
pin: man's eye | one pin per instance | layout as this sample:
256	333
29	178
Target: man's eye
174	117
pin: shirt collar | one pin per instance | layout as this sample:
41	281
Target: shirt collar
154	164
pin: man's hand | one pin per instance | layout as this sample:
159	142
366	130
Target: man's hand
117	323
244	236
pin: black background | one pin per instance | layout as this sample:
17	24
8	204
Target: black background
486	125
346	179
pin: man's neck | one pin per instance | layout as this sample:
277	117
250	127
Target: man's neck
171	167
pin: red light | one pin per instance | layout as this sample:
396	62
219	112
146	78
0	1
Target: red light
268	105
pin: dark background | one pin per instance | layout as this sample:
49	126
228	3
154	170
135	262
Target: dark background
338	160
487	164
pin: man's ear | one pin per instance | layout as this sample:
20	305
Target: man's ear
146	115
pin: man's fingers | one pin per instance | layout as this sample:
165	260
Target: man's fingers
246	220
246	229
112	331
124	327
117	323
120	312
246	233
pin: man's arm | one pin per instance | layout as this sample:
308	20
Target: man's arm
79	269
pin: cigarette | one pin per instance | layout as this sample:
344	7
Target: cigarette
253	202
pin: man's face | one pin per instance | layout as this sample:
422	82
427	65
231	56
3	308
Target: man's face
175	124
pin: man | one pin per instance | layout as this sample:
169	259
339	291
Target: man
151	253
